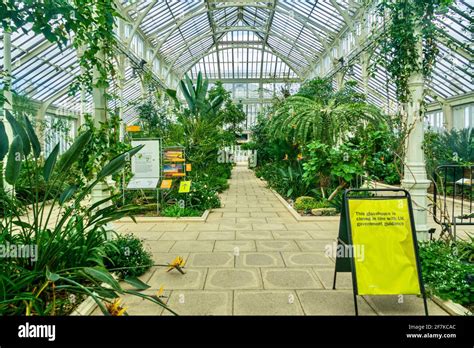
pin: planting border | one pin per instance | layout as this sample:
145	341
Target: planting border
298	217
146	219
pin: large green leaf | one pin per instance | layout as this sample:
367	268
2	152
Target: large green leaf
137	283
3	141
199	83
189	84
187	96
33	138
73	153
201	97
67	194
50	163
172	94
19	130
118	162
15	157
104	276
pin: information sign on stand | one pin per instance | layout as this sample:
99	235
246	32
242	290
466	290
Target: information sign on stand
377	240
146	166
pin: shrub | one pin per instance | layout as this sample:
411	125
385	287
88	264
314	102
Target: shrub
305	203
445	274
177	211
202	197
127	252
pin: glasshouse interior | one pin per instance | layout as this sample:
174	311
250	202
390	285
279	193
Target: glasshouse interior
204	157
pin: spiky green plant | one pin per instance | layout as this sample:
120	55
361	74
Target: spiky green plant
328	117
68	233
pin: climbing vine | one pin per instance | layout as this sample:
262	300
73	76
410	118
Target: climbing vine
398	43
87	25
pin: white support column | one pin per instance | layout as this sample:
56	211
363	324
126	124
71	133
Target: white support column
447	115
121	84
8	105
100	114
415	178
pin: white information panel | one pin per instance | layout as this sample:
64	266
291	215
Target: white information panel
146	163
137	183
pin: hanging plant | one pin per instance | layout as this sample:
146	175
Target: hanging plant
85	24
407	21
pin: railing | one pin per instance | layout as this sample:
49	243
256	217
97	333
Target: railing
453	198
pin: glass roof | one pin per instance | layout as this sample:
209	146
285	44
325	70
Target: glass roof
241	41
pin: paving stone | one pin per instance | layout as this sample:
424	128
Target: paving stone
214	215
199	302
321	234
275	208
216	235
242	245
223	221
281	220
248	302
215	259
193	245
276	245
291	235
150	235
315	245
268	227
343	279
203	227
235	227
332	302
286	278
157	246
233	278
259	259
236	215
166	227
253	235
193	279
298	259
132	227
249	220
179	236
300	226
263	214
410	305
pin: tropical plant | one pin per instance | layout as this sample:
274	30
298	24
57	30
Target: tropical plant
323	163
104	144
230	114
153	116
289	181
445	274
448	147
199	105
199	126
176	211
407	24
65	235
327	117
86	24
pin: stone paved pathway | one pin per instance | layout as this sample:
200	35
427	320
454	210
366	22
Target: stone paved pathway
280	269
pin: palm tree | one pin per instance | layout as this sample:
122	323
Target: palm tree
328	117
